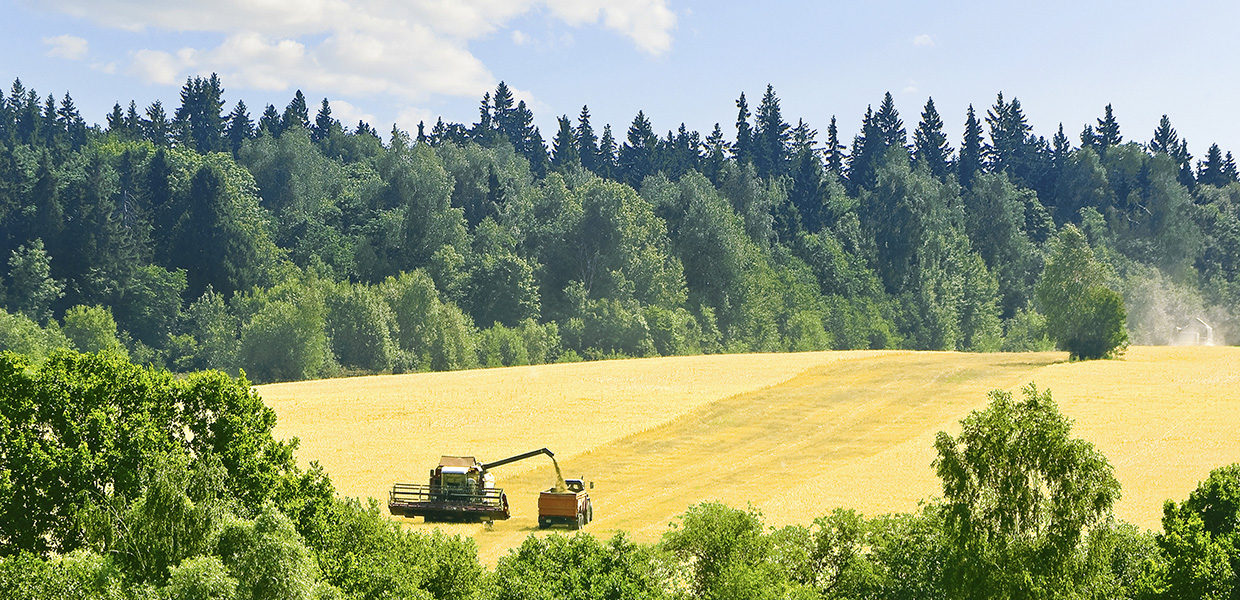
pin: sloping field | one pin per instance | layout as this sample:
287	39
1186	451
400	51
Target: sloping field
795	435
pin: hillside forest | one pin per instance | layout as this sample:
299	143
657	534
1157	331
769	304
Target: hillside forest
292	246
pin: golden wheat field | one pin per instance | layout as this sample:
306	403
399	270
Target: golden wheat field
795	435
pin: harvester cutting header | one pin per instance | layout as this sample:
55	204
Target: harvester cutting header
460	489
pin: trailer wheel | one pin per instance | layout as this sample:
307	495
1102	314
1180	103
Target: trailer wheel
544	523
581	521
589	512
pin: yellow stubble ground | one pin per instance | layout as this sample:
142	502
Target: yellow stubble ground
794	435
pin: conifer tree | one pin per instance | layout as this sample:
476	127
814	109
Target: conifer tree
607	167
1010	140
717	149
116	121
240	127
743	148
867	152
805	196
1107	134
270	123
1165	138
156	127
1229	168
296	114
587	141
564	147
833	154
930	146
637	154
770	137
133	121
199	121
970	159
324	124
72	123
1210	171
484	128
887	119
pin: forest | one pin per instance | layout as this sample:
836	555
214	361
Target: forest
197	237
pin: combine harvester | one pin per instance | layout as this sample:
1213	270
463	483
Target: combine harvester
463	489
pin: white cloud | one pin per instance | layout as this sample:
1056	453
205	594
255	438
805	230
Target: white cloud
66	46
410	50
349	115
155	66
519	38
924	40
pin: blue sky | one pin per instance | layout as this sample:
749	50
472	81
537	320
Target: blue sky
401	61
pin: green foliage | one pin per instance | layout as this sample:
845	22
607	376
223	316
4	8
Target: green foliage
725	551
92	329
31	289
361	327
1201	539
1020	499
80	575
83	429
200	578
1083	316
577	566
20	334
268	558
286	339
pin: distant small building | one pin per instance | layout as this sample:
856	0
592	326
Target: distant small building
1196	333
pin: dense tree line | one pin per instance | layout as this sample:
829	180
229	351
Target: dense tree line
119	481
201	237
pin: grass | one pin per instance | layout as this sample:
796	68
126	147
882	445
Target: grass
795	435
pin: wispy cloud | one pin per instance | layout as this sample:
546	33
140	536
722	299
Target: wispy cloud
67	46
924	40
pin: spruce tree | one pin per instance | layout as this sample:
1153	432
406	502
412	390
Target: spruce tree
930	147
1107	134
1010	139
1229	168
1210	171
637	154
867	152
833	154
296	114
887	119
199	121
484	129
133	121
770	147
564	147
607	167
970	160
156	127
324	124
743	148
807	182
587	142
116	121
240	127
1165	138
717	149
270	123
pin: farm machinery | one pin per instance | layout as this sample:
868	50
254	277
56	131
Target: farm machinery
462	489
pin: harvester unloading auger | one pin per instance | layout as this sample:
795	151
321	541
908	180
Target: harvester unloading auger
460	489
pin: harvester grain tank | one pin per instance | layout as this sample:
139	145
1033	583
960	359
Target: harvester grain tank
459	489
